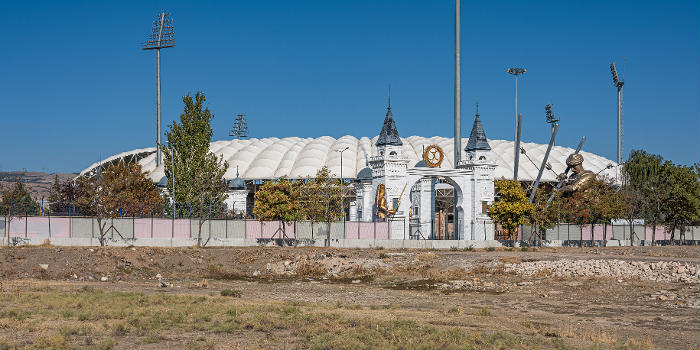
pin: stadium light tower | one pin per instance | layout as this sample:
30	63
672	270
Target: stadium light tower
515	71
162	37
458	90
618	84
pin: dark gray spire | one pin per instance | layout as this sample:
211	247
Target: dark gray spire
238	183
389	134
477	139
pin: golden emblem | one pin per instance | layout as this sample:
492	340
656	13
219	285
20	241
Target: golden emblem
433	156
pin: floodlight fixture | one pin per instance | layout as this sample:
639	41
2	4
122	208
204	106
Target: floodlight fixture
516	70
240	127
616	80
551	118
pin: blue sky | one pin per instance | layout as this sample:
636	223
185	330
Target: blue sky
75	86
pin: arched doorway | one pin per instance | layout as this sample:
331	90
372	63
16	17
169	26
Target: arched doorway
438	221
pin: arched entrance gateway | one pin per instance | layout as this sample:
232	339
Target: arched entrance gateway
426	200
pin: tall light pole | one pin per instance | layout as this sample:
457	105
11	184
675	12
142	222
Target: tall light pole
515	71
458	91
618	83
342	203
162	37
458	108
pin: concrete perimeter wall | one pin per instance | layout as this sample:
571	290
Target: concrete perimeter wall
85	231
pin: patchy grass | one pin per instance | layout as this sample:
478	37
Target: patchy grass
91	318
231	293
484	312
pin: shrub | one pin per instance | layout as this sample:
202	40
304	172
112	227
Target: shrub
107	344
231	293
483	312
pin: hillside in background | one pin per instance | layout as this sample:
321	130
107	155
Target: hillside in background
37	183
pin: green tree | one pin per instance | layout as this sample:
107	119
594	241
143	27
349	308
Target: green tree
279	200
645	174
321	199
199	174
16	202
17	199
55	197
598	204
546	215
511	208
120	188
633	207
681	208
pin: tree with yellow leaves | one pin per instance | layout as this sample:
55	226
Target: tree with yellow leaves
511	208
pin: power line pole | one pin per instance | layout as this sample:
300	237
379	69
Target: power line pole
162	37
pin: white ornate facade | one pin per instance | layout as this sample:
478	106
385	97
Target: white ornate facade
410	191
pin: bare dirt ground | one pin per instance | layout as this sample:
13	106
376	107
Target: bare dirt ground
631	297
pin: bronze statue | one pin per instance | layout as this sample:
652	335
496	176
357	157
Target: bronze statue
580	179
380	202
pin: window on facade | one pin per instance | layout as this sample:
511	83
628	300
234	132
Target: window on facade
392	153
484	207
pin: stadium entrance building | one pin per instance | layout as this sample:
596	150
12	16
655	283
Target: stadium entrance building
391	190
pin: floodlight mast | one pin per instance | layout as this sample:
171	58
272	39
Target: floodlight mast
554	122
458	89
515	71
162	37
618	84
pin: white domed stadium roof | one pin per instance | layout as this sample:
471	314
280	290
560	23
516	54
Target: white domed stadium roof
294	157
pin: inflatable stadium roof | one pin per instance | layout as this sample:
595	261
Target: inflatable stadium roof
294	157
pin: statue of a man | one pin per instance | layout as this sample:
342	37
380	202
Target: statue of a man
580	179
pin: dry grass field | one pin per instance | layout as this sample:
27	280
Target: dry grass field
316	298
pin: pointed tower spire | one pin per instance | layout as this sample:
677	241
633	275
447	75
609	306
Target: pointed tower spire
389	106
389	135
477	138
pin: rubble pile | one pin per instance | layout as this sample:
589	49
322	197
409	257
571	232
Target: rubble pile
326	265
661	271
